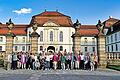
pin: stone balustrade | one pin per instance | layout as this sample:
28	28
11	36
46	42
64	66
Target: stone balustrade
113	58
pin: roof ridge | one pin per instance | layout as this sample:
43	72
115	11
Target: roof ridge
88	25
45	14
111	18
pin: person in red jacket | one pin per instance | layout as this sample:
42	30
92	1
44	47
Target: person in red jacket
55	61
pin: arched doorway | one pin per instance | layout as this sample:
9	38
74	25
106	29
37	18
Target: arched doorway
51	49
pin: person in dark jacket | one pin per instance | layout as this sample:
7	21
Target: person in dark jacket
14	61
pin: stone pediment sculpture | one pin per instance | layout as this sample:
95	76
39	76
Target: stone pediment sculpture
50	23
10	24
77	24
34	33
100	27
34	26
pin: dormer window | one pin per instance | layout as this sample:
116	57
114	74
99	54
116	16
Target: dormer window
85	39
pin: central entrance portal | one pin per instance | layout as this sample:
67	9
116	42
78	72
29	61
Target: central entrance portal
51	49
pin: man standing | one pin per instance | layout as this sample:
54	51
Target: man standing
63	61
59	61
92	62
23	60
82	61
14	61
78	61
55	57
68	58
48	61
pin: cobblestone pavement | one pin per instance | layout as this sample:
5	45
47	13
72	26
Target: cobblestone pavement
100	74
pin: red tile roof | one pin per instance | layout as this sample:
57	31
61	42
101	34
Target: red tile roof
109	22
88	27
56	17
112	20
88	30
51	13
17	30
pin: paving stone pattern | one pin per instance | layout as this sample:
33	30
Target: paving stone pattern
59	75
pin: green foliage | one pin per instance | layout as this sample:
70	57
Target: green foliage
115	67
1	62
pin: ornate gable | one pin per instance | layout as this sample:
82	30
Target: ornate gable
50	23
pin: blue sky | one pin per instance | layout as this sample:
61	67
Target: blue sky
87	11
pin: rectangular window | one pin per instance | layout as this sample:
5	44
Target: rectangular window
107	39
23	48
23	39
93	40
16	48
28	48
1	39
115	37
119	35
108	48
111	38
0	48
85	39
85	49
112	47
16	39
116	47
93	48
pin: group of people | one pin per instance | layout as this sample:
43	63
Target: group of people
47	61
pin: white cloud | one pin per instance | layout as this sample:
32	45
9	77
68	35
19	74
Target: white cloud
23	11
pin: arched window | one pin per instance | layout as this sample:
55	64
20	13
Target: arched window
16	48
61	36
51	35
61	48
41	36
41	48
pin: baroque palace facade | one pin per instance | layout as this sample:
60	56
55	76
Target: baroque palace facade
52	31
